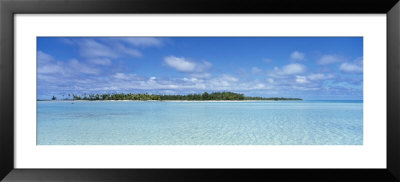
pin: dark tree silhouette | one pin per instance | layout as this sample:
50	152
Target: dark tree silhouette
145	96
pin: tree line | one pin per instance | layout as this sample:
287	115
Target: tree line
193	97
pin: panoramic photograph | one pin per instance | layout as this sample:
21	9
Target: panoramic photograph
199	91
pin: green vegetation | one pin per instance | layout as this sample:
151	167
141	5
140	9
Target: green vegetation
194	97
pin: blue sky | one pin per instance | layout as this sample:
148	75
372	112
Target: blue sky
312	68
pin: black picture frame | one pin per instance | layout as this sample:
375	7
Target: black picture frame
9	8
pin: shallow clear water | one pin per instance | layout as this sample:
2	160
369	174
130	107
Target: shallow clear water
200	123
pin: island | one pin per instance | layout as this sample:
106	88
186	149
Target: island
214	96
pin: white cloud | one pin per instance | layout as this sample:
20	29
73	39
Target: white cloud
329	59
223	81
301	79
112	47
142	41
184	65
47	78
67	41
44	58
48	65
259	86
229	78
351	68
296	55
255	70
128	77
83	68
122	76
285	75
200	75
270	80
49	69
305	88
291	69
354	67
359	60
101	61
320	76
180	64
91	48
128	51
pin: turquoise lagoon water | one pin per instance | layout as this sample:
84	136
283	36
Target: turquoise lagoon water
200	123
